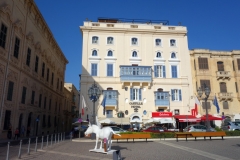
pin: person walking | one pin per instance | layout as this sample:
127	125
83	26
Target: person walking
16	134
9	133
22	131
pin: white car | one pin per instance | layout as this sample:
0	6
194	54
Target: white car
197	128
117	129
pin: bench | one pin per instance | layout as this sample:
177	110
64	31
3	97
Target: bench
183	135
132	136
208	134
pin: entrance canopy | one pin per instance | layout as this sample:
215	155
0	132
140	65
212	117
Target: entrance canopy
187	118
136	117
210	118
160	120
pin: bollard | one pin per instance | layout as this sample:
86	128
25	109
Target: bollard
36	144
29	146
42	143
64	136
47	141
61	136
58	137
51	139
71	135
20	148
8	151
55	138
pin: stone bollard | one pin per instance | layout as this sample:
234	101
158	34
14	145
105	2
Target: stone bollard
28	152
20	148
51	139
58	137
42	143
61	136
47	141
36	144
7	157
55	138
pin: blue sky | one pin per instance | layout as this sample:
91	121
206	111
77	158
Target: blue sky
211	24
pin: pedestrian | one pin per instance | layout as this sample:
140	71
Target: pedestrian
22	131
28	131
16	134
9	133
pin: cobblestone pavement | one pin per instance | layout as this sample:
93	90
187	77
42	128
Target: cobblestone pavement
139	150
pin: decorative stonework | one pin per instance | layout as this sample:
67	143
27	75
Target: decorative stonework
5	8
25	81
12	76
8	105
22	107
30	38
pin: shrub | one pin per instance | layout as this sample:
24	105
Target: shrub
232	133
163	135
218	128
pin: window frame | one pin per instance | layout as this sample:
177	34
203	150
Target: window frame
134	43
28	59
133	55
158	53
159	71
24	93
110	51
135	94
160	43
112	41
94	70
36	64
16	47
175	42
95	41
110	74
94	53
176	94
3	35
10	90
172	72
203	63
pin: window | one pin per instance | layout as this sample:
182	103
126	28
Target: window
57	83
94	40
134	54
43	69
173	55
33	97
110	40
238	63
52	78
236	87
220	66
223	87
49	121
109	113
233	66
40	101
158	42
16	47
28	57
10	91
50	104
176	94
160	90
47	74
159	71
94	69
44	121
174	72
134	41
110	54
109	70
225	105
158	55
176	111
194	63
24	91
45	102
7	119
3	36
94	53
203	63
172	42
61	86
36	64
135	94
205	82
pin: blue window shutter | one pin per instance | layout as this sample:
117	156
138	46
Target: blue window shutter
176	71
164	72
111	69
172	92
180	95
131	94
155	71
140	94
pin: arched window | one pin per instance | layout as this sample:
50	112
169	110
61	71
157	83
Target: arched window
173	55
172	42
158	55
160	90
110	54
158	42
110	40
134	54
220	66
94	40
94	53
134	41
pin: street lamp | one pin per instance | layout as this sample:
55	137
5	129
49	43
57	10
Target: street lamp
207	93
93	93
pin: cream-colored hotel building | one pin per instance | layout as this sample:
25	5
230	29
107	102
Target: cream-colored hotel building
143	67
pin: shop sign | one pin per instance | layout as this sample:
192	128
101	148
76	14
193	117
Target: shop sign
136	103
161	114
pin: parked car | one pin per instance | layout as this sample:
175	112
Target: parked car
154	129
231	126
117	129
197	128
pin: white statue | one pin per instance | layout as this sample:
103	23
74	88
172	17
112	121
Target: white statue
105	132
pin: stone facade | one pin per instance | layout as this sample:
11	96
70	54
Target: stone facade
220	70
32	68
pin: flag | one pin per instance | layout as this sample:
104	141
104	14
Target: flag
103	104
197	103
215	103
83	105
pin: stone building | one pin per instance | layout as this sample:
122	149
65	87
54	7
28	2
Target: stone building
32	71
220	71
142	67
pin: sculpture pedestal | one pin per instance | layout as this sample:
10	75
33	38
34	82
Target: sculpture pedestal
102	151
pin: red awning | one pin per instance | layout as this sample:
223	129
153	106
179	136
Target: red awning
210	118
187	118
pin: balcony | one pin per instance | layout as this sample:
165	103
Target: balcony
223	75
161	99
111	97
225	96
141	74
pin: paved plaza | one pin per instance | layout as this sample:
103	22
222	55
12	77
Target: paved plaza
139	150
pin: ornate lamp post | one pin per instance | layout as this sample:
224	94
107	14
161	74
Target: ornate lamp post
207	93
93	93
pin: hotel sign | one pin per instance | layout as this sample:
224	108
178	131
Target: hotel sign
136	103
161	114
